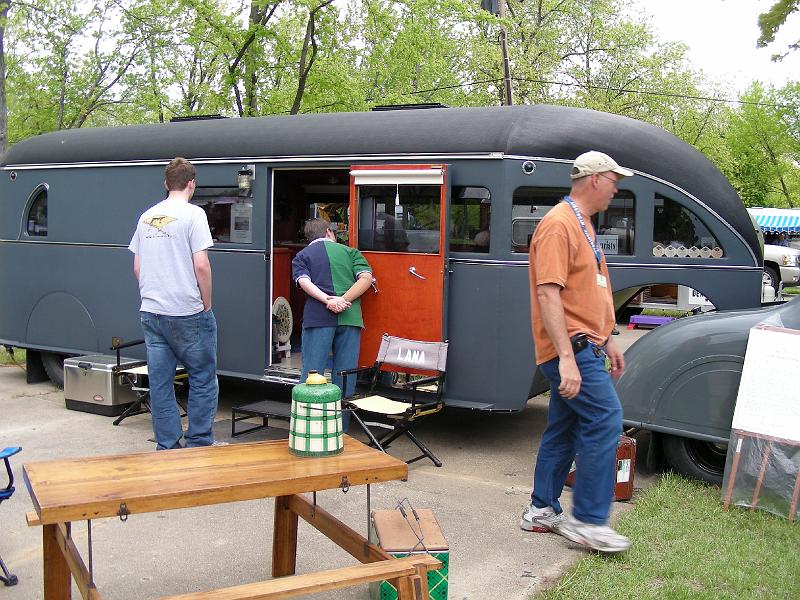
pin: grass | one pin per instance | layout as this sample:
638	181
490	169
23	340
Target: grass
686	547
6	359
791	291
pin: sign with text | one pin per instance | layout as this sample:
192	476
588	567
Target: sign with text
767	402
608	243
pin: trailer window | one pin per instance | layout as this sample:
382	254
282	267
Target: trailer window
399	218
470	215
679	233
615	226
230	216
529	206
37	214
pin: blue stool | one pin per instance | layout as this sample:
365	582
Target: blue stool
6	493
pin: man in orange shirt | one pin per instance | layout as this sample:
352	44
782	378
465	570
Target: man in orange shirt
572	316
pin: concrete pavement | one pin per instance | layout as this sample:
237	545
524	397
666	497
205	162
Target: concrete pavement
477	497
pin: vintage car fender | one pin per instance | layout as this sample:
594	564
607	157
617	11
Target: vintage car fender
682	378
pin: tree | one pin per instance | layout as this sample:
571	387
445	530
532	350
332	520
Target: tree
772	20
763	140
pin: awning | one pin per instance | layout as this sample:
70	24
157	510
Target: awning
776	223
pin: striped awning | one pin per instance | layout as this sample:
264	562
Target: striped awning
776	223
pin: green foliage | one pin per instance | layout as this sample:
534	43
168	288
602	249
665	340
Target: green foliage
763	145
772	20
71	63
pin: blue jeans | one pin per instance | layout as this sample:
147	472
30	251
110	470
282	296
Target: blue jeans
344	341
589	425
192	341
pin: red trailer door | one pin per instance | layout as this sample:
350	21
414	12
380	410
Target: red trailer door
397	220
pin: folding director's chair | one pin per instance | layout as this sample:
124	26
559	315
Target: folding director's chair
400	405
136	377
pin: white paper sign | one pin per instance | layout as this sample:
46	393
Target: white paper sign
767	402
608	243
242	223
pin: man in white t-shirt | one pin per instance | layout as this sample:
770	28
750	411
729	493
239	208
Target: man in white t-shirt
171	263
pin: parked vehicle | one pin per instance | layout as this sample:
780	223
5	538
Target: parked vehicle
682	379
782	265
69	201
781	262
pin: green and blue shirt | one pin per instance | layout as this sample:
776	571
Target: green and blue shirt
333	268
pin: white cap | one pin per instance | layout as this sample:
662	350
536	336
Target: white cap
593	162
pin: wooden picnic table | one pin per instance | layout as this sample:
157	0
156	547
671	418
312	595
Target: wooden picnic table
64	491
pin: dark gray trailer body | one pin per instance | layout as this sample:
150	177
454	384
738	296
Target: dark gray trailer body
67	288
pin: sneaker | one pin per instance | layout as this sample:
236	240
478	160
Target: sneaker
597	537
218	443
540	520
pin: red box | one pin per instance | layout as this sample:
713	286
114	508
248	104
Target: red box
626	463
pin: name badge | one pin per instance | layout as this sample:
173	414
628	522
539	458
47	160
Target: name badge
601	280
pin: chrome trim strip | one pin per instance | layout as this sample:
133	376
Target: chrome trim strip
262	159
118	246
611	265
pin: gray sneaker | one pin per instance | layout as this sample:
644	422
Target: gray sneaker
540	520
597	537
218	443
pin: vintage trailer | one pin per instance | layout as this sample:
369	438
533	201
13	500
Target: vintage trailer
442	202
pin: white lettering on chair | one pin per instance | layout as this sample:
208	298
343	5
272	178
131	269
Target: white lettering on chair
412	356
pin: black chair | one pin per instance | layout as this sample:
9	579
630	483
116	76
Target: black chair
136	377
400	405
6	493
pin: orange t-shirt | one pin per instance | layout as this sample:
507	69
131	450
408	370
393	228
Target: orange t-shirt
560	254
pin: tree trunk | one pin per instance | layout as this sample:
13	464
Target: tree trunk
4	6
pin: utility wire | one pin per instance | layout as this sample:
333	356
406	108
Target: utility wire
603	87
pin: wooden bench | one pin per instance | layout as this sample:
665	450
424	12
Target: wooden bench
412	569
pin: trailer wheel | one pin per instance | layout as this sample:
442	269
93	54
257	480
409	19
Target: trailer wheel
697	459
54	367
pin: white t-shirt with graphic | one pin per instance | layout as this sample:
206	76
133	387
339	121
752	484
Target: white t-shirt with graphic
167	235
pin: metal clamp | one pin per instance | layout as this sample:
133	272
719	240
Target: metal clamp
345	485
123	513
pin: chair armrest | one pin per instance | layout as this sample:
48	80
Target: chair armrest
126	345
424	381
356	370
349	373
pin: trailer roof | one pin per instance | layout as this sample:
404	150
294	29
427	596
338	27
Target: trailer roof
537	131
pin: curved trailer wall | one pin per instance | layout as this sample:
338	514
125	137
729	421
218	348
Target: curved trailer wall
71	290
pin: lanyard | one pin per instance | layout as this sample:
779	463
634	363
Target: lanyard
598	253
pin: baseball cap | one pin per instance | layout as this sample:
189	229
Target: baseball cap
593	162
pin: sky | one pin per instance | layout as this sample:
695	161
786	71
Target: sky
722	34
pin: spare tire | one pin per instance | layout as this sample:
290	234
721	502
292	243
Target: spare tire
54	367
697	459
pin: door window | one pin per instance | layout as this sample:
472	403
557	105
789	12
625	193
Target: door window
399	218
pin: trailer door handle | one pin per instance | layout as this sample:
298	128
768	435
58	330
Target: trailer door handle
413	271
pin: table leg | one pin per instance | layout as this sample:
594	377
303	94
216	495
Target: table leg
284	540
57	576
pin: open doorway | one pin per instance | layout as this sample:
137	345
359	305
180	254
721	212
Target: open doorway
298	195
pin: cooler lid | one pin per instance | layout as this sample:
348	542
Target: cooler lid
398	534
